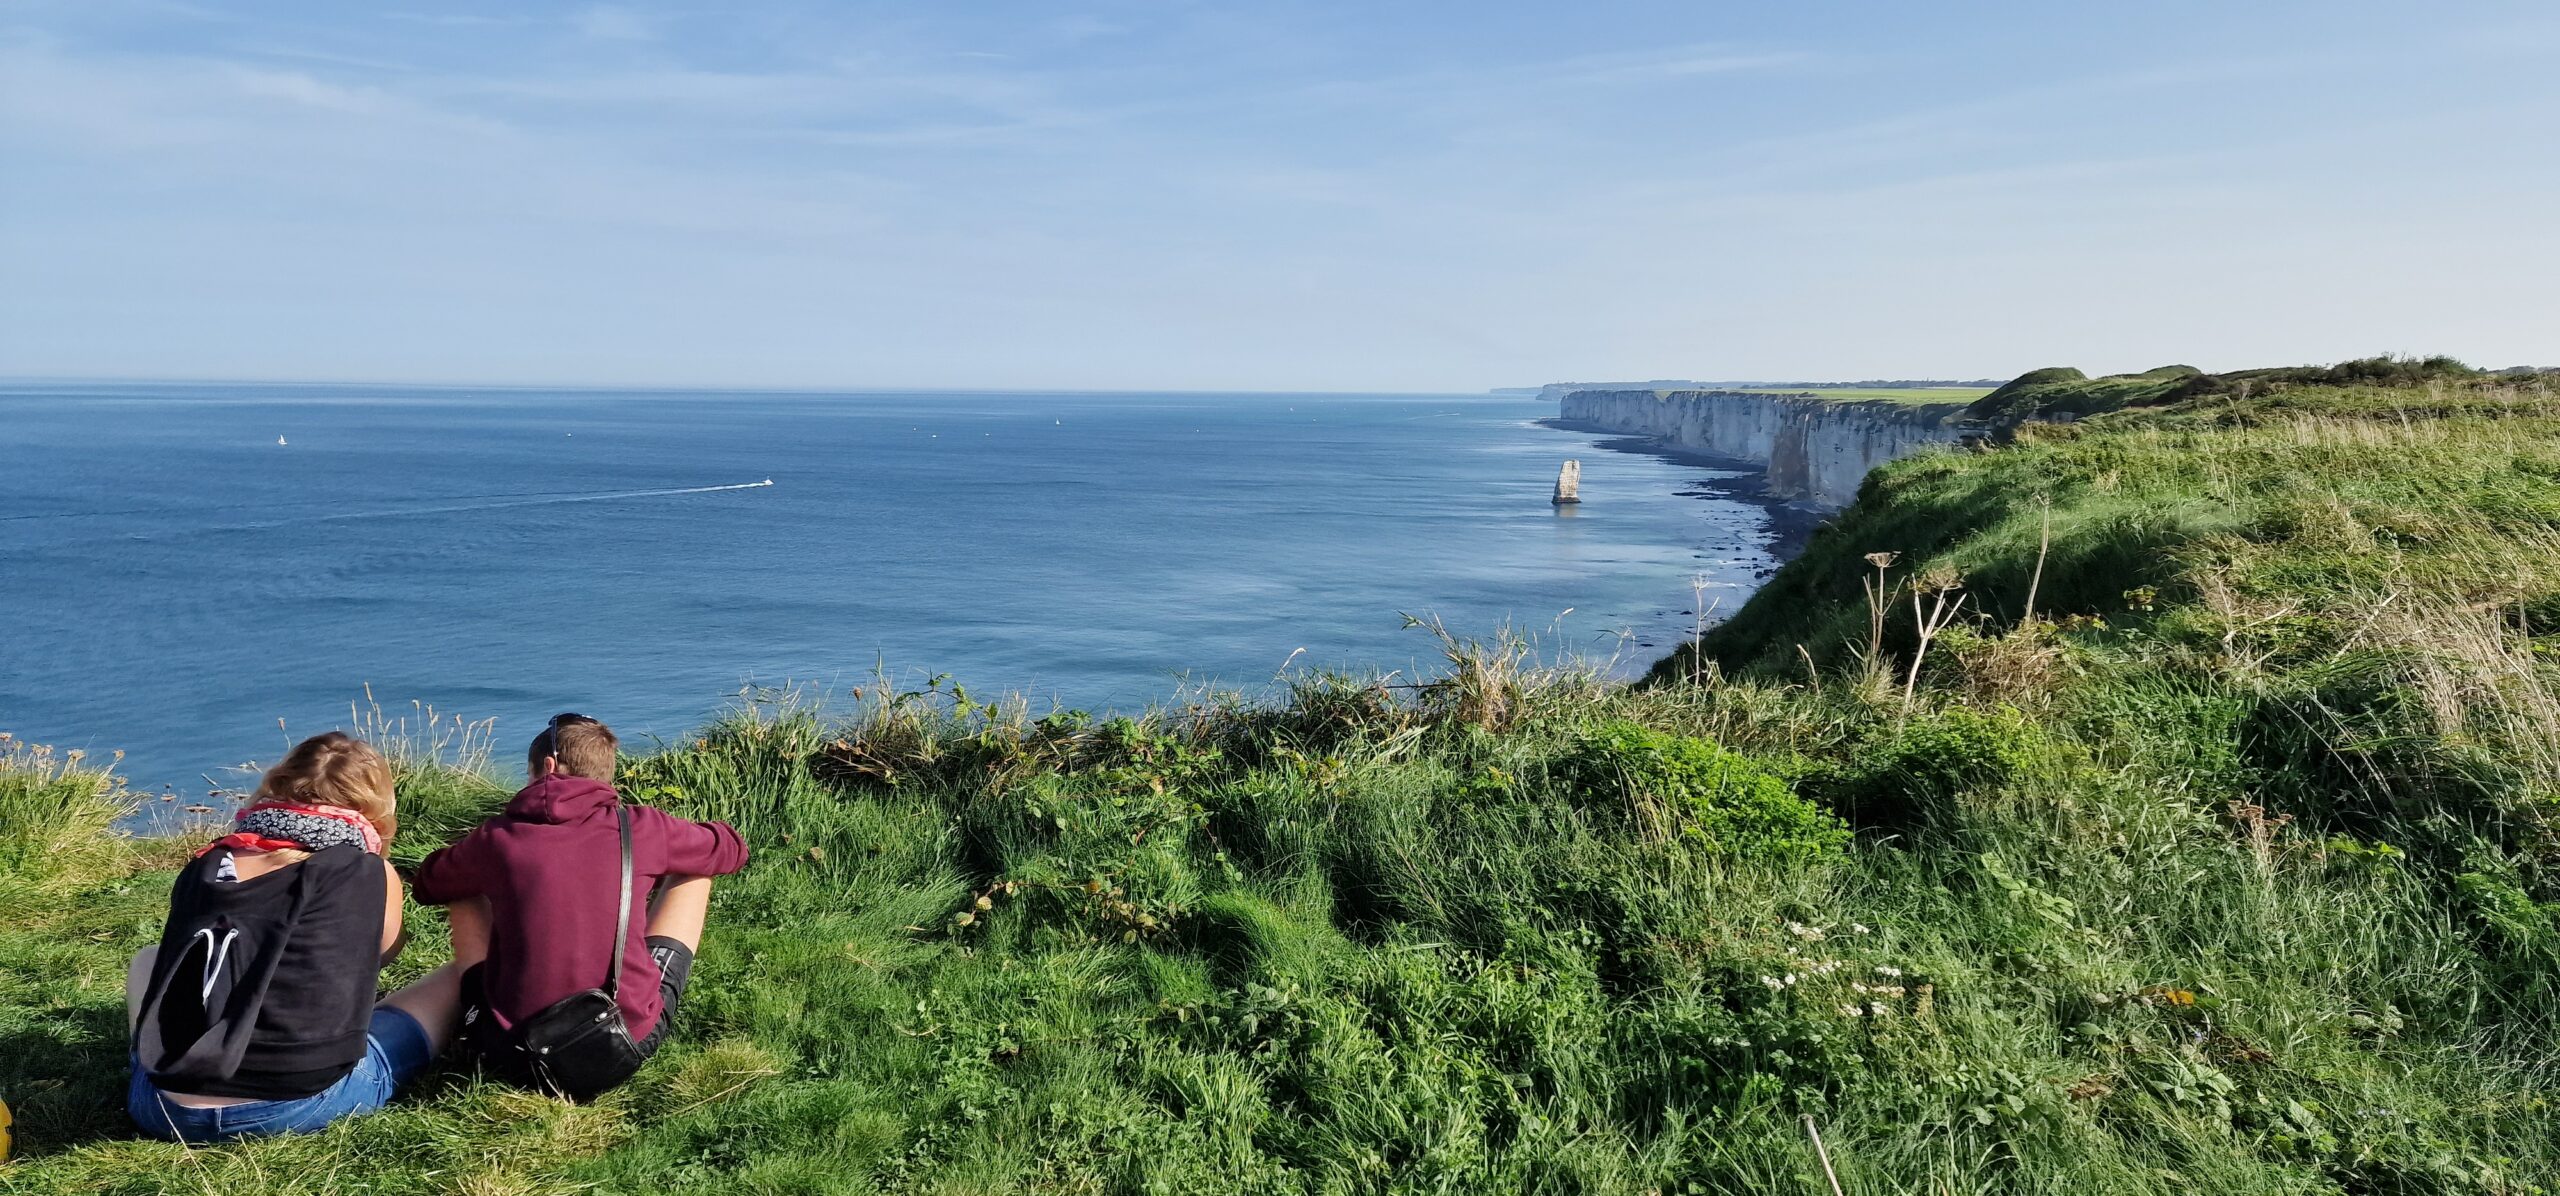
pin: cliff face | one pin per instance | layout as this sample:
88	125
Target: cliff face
1816	451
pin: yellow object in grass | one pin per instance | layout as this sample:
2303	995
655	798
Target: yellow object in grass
4	1131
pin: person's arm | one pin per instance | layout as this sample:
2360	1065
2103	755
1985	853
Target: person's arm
700	848
451	874
393	936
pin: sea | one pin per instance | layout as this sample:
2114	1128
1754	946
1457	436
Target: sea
197	575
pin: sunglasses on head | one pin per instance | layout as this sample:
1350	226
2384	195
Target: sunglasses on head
558	721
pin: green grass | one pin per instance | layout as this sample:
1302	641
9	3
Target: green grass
2234	869
1901	394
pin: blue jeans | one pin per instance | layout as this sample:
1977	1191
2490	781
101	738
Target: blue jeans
396	1048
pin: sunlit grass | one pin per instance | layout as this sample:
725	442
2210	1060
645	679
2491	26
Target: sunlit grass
1903	394
2236	869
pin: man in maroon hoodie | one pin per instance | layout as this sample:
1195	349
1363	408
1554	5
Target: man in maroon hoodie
531	896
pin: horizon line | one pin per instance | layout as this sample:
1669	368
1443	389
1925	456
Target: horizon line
15	380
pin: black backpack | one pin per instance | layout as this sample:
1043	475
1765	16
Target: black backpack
288	960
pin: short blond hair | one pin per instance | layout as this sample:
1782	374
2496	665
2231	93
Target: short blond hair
336	769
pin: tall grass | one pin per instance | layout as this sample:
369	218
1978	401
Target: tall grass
56	811
2232	870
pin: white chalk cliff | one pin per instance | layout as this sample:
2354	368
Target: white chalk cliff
1816	450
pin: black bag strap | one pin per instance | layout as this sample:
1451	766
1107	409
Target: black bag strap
622	906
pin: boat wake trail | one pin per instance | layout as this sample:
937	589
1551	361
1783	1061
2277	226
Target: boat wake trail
440	505
501	502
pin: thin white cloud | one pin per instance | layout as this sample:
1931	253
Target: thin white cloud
1538	79
455	20
1679	62
297	88
612	22
1085	27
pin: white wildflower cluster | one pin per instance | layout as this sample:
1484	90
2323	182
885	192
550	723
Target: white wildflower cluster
1875	996
1871	1009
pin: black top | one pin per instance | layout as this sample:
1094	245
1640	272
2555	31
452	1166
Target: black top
264	987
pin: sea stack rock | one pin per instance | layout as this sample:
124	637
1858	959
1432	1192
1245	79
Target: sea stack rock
1569	483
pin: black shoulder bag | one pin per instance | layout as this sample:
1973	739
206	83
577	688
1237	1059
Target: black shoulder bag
580	1046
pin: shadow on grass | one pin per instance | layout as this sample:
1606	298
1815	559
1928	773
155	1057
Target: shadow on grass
63	1072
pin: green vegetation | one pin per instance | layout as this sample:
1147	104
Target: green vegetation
2063	391
1890	394
2163	802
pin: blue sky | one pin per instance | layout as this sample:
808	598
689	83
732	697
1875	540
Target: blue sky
1269	195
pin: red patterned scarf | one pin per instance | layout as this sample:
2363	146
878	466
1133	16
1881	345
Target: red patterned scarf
281	826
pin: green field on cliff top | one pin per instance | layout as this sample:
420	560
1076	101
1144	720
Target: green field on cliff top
2162	802
1894	394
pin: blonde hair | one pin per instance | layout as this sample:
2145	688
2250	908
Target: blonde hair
336	769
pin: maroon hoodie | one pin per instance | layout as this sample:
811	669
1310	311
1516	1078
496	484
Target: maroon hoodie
549	865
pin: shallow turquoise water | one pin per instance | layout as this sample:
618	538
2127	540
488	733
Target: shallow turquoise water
174	581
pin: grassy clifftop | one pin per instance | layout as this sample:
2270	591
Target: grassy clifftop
2063	391
2228	865
1922	395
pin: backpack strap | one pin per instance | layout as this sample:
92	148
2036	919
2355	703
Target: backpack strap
622	905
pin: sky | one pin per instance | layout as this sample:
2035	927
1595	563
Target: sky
1269	195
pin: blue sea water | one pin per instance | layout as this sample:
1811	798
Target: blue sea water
182	566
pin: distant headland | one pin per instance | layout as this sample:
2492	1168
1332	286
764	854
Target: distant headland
1557	390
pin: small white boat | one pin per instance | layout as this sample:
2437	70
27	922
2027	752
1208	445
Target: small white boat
279	440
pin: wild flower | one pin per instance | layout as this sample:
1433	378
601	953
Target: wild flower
1807	933
1850	1010
1887	970
1858	928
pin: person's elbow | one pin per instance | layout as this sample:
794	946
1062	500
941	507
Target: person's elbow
441	879
732	848
726	852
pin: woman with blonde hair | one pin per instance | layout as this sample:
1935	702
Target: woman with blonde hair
256	1013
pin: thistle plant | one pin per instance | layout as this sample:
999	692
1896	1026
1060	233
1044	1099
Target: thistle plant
1878	594
1937	582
